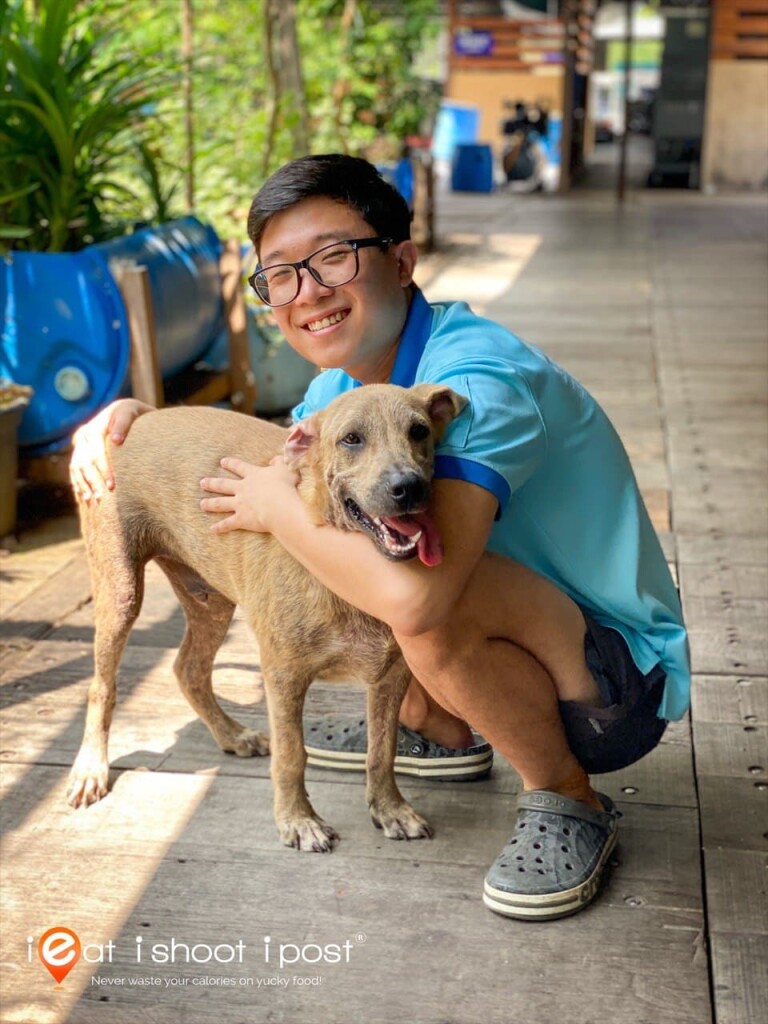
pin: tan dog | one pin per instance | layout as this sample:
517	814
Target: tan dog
365	464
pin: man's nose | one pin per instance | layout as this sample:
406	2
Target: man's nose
408	490
309	288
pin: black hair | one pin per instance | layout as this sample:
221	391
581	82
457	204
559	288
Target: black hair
348	179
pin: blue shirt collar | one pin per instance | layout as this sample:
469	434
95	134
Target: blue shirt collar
418	326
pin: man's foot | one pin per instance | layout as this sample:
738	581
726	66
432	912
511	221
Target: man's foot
552	865
342	744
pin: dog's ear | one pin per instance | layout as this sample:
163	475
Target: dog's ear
443	404
301	438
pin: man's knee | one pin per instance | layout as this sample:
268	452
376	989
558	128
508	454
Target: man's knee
437	652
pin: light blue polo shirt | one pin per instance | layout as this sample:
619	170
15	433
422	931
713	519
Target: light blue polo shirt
569	504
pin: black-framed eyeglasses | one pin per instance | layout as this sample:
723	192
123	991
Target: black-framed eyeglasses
332	266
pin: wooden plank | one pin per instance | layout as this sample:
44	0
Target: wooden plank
39	552
735	882
733	813
727	635
742	700
51	470
739	977
194	387
740	48
65	591
146	379
734	22
728	749
664	777
507	26
725	581
49	688
716	548
726	513
491	63
241	377
165	837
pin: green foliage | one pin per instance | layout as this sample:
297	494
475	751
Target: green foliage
92	130
69	122
363	92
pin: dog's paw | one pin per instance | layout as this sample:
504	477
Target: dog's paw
311	835
250	743
400	821
88	782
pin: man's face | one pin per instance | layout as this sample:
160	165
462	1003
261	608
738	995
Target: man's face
368	313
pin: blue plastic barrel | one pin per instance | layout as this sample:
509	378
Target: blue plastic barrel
400	176
65	329
456	123
65	333
472	169
182	259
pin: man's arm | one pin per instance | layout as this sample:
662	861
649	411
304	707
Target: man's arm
409	596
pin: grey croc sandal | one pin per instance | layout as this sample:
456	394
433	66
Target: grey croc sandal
342	743
552	865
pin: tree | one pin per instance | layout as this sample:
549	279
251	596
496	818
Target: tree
246	86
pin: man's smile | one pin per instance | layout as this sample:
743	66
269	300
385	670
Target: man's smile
326	321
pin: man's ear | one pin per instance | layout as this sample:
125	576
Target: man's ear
301	438
407	255
442	404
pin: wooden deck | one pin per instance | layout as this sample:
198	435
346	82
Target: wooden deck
662	312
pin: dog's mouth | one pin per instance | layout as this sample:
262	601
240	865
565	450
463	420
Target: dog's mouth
401	537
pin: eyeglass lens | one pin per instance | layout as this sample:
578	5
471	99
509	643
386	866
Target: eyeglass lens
332	266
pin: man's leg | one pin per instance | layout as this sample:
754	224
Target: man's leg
513	647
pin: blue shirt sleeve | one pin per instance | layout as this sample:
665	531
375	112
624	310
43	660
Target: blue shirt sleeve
500	439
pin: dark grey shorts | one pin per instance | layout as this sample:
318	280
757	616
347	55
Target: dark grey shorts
604	739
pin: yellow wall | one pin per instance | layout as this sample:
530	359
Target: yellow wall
736	127
489	89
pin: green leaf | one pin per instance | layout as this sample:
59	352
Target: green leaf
14	231
26	190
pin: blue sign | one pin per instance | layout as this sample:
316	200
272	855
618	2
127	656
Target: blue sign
470	43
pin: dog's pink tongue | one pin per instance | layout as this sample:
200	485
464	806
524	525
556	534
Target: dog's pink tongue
430	548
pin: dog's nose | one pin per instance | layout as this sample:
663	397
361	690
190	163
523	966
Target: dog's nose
407	490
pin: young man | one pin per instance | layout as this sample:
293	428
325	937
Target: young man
551	623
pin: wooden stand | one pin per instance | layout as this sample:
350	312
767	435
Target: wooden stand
423	226
191	387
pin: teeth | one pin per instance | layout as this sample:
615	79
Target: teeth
378	521
334	318
416	537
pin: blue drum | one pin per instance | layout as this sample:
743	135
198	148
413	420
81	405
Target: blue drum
65	329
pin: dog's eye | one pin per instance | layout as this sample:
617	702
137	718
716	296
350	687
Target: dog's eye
419	432
352	440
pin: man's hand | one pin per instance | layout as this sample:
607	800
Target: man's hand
252	497
89	469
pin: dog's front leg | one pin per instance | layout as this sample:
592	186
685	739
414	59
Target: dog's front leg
296	821
390	811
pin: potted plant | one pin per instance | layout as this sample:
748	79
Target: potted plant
76	127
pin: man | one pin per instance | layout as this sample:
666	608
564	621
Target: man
551	623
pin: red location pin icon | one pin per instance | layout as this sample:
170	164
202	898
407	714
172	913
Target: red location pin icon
59	950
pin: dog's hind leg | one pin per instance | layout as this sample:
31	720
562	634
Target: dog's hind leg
117	579
390	811
208	616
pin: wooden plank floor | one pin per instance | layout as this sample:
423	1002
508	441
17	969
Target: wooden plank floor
661	311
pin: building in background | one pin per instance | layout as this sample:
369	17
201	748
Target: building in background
698	84
736	115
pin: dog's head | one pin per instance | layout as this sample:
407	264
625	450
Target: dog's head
366	463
